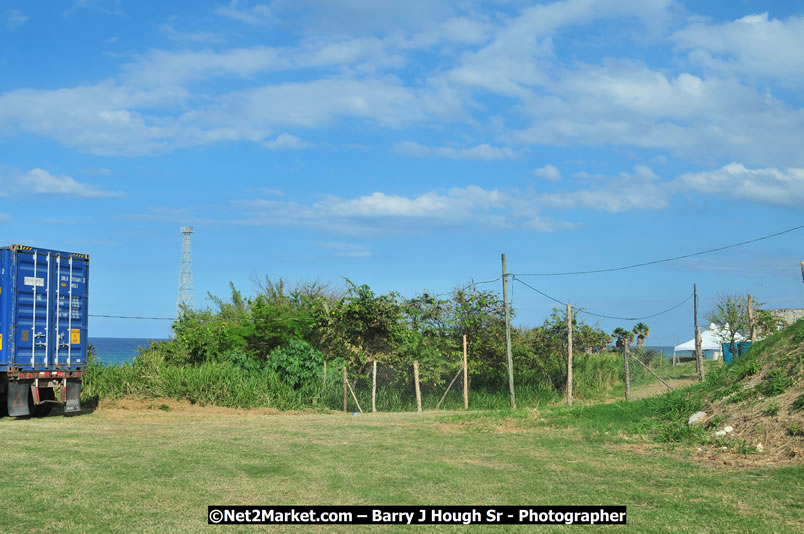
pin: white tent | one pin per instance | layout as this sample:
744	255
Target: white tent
711	340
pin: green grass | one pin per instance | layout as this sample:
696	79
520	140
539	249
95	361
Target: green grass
156	471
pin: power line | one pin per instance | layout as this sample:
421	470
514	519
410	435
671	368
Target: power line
601	315
134	317
666	259
474	284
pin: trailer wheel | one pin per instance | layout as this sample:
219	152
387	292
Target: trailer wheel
41	410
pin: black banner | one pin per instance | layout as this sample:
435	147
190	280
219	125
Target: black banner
416	515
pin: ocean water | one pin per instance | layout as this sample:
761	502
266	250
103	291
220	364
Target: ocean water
117	350
667	351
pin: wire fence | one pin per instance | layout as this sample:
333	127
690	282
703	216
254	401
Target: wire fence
649	371
383	387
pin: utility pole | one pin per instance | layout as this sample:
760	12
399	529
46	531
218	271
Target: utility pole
569	354
465	376
698	353
751	318
508	335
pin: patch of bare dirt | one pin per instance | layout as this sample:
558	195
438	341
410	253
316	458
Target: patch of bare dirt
657	388
128	404
768	429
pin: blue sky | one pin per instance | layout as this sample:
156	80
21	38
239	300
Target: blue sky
406	145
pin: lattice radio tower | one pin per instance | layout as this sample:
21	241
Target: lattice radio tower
184	299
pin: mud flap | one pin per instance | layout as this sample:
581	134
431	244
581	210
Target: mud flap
19	392
73	402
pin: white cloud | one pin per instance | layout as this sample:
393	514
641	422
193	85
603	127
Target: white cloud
638	190
351	55
256	15
773	186
113	119
548	172
380	211
41	182
429	205
286	142
520	55
437	64
16	18
162	68
754	46
98	119
480	152
627	103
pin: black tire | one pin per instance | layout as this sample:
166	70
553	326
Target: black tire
41	410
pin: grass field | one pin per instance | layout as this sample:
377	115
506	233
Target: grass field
155	468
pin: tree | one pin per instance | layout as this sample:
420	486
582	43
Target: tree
480	316
642	331
730	315
622	336
370	325
541	353
427	337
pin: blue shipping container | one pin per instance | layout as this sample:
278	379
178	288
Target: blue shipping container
44	298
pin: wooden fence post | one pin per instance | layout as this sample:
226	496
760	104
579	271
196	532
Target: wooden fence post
374	386
416	382
465	378
699	368
626	350
751	318
569	354
325	373
345	391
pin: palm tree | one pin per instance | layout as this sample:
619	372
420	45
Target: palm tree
622	336
642	331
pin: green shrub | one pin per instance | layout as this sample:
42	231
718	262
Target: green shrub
679	431
297	362
775	382
678	405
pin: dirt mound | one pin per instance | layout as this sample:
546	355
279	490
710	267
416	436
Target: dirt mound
757	408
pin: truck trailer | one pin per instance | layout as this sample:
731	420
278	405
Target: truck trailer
44	296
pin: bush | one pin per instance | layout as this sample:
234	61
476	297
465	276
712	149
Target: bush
297	362
775	382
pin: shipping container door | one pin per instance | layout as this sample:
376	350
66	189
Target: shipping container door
33	310
6	337
69	311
